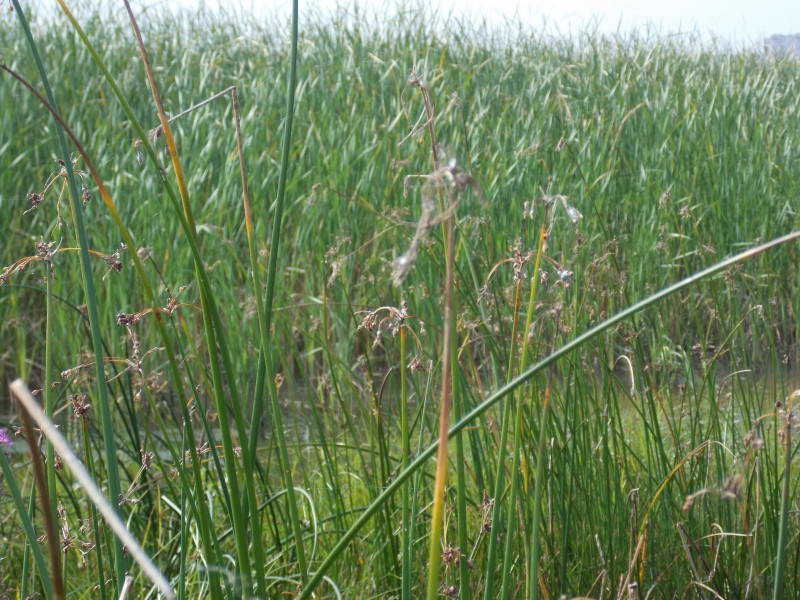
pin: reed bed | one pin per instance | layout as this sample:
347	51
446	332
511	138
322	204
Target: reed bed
260	275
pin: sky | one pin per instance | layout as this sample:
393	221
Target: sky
736	21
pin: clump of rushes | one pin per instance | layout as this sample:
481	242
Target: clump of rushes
108	201
614	141
205	527
518	261
520	380
377	321
215	339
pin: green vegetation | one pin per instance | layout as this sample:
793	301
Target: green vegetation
256	322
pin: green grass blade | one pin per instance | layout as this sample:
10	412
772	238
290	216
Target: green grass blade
27	525
277	223
783	523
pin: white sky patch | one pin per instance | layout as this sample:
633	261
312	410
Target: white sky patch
735	21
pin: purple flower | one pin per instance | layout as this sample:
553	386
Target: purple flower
5	439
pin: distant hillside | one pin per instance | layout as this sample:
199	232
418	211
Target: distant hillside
784	43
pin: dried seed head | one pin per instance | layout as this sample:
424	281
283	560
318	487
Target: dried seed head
732	489
456	180
113	259
369	322
147	459
80	404
450	591
415	80
486	512
572	212
753	441
415	364
450	555
44	250
565	276
35	200
127	319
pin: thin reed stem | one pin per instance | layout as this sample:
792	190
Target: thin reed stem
266	354
536	501
53	539
491	558
405	437
785	506
47	388
464	587
437	518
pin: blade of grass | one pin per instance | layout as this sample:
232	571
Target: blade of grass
27	525
265	322
783	524
536	501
